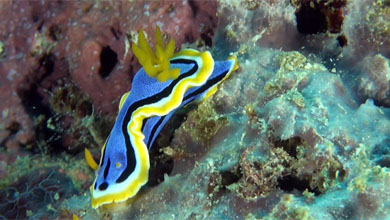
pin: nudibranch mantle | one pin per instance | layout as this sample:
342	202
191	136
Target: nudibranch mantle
124	164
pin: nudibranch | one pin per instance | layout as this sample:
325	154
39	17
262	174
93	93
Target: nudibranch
165	83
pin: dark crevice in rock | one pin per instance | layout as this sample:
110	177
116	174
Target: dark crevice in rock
116	32
194	7
380	154
342	41
108	60
55	32
291	183
33	104
229	177
207	37
315	17
290	145
310	20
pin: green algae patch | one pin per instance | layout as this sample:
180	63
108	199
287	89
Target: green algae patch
294	69
296	97
290	165
286	209
379	18
261	178
204	123
290	61
41	45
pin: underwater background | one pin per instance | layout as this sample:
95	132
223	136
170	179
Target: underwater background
300	131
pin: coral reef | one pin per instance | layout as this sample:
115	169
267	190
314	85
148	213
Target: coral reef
300	131
289	160
267	23
334	30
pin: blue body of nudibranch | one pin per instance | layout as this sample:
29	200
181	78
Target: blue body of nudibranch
124	163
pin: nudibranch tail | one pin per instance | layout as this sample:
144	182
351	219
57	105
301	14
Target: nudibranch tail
192	75
233	58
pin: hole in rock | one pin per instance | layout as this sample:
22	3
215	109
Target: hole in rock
291	183
229	177
342	40
290	145
55	32
108	60
310	20
380	154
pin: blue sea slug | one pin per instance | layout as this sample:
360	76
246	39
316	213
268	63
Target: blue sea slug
166	83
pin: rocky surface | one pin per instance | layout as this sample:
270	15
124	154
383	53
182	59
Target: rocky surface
300	131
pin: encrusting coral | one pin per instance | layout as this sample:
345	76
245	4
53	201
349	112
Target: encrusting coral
155	65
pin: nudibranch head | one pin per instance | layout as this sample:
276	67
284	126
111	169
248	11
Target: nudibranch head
158	90
118	177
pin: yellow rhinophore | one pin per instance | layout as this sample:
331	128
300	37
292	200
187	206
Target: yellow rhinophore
156	64
90	161
75	217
